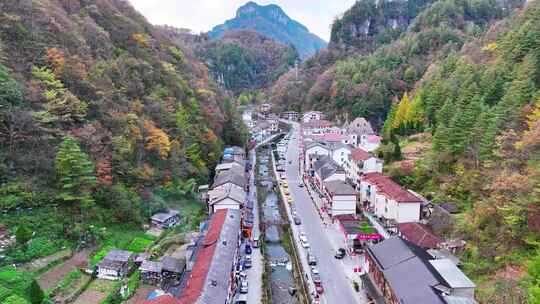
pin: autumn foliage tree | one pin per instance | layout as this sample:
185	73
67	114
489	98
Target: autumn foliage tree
157	140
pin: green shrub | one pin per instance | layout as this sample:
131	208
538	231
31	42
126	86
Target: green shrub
139	244
4	293
15	299
21	284
99	255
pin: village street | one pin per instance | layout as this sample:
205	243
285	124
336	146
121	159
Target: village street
336	280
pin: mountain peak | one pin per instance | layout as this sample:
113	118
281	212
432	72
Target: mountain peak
270	20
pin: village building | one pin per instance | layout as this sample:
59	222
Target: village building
172	268
228	196
388	200
312	115
316	127
211	279
115	265
290	115
266	107
313	152
151	272
235	177
357	232
325	170
370	143
361	162
399	272
202	193
165	220
419	234
273	125
341	196
356	129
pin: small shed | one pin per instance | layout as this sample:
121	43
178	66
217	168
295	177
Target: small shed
166	220
115	265
172	268
151	272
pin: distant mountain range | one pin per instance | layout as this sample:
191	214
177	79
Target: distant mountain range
272	21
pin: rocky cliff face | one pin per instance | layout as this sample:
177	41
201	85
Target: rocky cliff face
369	24
271	20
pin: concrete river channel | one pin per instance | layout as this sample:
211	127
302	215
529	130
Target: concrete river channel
278	261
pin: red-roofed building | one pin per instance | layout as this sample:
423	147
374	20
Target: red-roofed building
361	162
211	279
370	142
386	199
419	234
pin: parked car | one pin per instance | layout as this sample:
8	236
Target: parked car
244	286
301	185
241	299
248	249
297	221
256	242
340	254
304	242
314	270
247	261
311	259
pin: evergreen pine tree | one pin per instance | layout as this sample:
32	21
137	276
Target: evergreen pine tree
76	174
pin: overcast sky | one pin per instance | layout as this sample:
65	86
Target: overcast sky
202	15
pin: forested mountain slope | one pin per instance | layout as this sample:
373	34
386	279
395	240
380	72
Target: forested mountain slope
482	106
379	51
272	21
242	60
94	85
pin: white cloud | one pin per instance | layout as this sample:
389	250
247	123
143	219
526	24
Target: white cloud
202	15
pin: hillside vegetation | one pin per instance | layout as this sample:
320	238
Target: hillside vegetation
482	106
406	40
103	120
241	61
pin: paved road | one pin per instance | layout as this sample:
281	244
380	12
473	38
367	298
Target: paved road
338	289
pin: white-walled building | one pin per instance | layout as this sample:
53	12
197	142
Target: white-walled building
342	197
226	197
370	143
290	115
341	153
388	200
312	115
356	129
316	127
314	151
361	162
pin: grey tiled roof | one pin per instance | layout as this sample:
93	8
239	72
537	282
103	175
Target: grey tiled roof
340	188
162	217
407	270
229	176
150	266
173	265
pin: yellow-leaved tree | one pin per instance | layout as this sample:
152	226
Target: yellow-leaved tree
156	139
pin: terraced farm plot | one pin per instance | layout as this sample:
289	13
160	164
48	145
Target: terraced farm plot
96	292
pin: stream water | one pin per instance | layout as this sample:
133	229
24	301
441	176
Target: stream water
281	276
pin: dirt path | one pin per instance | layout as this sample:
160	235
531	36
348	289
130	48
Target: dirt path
52	277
